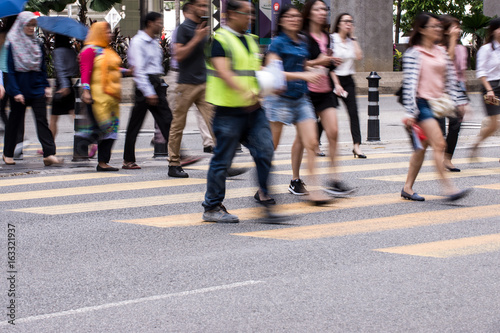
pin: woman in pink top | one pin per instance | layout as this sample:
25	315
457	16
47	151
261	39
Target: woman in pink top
321	93
459	55
428	73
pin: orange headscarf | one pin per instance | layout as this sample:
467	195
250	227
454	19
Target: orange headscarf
97	36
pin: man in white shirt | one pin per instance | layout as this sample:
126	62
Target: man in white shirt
146	57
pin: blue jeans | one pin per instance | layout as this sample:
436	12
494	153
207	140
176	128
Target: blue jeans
254	132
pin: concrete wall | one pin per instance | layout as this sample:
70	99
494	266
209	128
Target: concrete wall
373	21
491	8
131	24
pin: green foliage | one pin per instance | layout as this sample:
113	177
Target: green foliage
44	6
456	8
475	25
102	5
397	60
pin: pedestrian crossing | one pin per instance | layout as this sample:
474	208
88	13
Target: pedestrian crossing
309	223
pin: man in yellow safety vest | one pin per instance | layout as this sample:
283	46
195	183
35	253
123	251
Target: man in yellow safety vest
232	87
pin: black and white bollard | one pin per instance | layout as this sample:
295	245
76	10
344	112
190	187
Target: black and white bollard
373	107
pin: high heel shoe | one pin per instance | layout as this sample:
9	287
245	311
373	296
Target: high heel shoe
358	155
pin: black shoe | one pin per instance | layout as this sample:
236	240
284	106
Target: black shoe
267	202
297	187
208	149
412	197
177	171
454	169
233	172
358	155
100	168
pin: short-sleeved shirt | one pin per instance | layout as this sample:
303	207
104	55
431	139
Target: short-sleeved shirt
192	69
431	83
293	54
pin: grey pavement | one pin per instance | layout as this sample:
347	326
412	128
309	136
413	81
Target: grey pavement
128	252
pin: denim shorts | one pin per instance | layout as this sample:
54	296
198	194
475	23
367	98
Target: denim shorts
425	110
288	111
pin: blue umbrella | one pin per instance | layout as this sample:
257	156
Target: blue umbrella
11	7
63	26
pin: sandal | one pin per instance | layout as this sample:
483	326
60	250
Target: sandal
130	165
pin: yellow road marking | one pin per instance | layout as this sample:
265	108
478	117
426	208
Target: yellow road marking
489	186
288	162
449	248
61	178
292	209
106	188
383	166
143	202
434	176
378	224
71	148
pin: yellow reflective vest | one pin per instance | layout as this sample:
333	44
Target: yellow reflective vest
244	63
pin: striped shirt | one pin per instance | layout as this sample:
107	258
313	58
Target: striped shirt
411	77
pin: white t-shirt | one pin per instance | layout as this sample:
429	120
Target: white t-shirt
345	51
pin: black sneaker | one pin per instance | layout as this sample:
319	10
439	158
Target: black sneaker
338	188
177	171
297	187
208	149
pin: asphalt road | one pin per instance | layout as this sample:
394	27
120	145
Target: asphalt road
128	252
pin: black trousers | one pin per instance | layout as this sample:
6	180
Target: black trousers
161	113
454	125
348	84
16	119
104	150
3	111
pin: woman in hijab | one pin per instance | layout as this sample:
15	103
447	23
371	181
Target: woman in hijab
101	82
28	86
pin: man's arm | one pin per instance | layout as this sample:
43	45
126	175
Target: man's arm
182	51
140	77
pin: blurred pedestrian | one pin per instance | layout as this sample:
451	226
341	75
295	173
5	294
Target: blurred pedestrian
459	55
346	47
172	78
232	88
28	86
293	106
189	47
146	57
322	97
101	82
488	71
6	25
428	73
66	67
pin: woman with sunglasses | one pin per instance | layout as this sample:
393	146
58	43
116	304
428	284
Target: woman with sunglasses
293	106
428	73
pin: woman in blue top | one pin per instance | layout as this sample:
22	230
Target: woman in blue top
293	106
28	86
